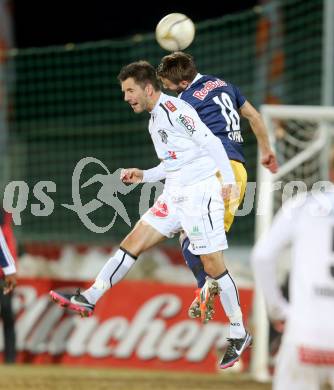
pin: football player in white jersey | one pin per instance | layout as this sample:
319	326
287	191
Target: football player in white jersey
306	356
192	160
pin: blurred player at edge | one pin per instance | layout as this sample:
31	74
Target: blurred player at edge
306	223
7	266
8	283
218	104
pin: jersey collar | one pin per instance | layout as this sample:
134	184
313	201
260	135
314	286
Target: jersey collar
160	100
197	77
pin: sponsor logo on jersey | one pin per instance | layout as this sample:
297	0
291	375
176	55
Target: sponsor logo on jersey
163	135
187	122
170	106
172	154
160	209
208	86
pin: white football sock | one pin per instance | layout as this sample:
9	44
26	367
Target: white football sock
229	298
112	272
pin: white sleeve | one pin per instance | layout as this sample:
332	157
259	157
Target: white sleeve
265	256
216	150
154	174
204	138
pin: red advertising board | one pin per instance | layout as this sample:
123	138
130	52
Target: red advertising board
137	324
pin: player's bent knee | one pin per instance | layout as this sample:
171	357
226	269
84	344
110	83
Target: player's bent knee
213	263
142	237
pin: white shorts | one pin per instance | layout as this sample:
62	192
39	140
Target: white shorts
198	209
291	373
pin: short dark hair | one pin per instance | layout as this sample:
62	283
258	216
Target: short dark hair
142	72
177	67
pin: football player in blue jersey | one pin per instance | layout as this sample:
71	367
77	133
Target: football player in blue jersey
219	104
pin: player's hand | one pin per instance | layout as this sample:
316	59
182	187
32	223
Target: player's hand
269	161
279	325
131	175
10	283
230	192
226	191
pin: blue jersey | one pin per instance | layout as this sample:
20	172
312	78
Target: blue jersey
217	103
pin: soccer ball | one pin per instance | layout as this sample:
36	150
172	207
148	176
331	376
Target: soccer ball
175	32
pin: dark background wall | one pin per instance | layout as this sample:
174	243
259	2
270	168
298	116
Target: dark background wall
43	23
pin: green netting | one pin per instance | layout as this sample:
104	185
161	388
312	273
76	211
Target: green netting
65	104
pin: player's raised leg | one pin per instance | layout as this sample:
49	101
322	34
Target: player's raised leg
195	264
141	238
204	226
239	339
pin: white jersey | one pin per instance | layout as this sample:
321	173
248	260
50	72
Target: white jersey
307	224
179	137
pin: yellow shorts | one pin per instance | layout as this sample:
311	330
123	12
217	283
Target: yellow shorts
232	205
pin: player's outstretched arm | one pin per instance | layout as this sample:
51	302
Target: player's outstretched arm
135	175
154	174
268	157
131	175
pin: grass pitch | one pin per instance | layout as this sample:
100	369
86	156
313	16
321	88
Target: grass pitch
26	377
